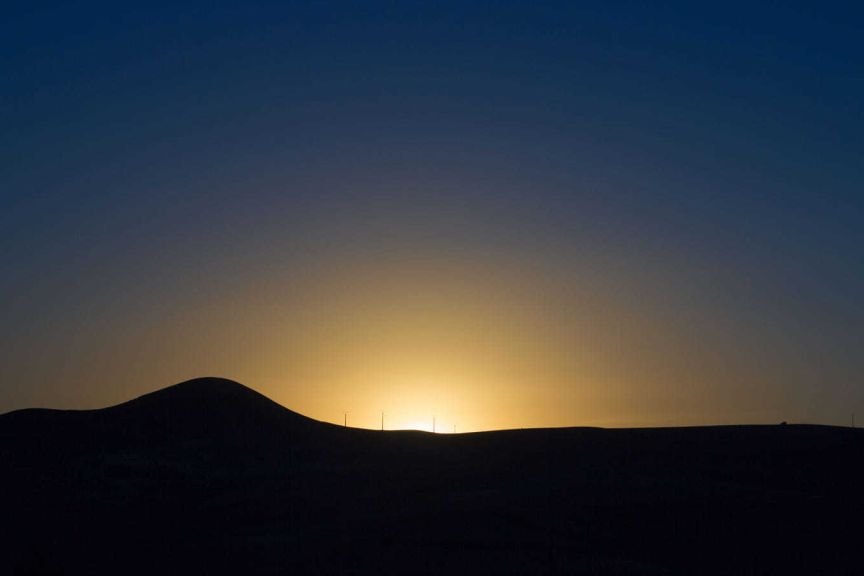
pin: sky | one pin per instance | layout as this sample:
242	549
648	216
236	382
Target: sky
494	214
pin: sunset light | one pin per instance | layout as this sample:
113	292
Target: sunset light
554	219
431	288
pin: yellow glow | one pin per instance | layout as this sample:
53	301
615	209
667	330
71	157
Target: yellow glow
478	344
417	425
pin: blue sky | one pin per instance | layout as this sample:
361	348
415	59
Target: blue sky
701	164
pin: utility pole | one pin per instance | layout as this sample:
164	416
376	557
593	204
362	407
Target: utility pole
433	424
345	421
382	421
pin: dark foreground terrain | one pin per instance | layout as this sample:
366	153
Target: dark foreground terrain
209	477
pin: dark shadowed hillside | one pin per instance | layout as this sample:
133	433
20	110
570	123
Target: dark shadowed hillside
209	476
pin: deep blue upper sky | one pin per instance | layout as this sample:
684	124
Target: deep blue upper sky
711	156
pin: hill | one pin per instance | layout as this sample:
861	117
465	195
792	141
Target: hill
208	476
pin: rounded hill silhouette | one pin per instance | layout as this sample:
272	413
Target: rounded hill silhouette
207	396
209	407
207	389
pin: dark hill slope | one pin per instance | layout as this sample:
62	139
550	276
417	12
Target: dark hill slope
205	396
209	476
211	412
211	409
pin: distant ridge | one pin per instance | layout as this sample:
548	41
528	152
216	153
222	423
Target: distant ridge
212	410
207	386
206	406
202	395
209	476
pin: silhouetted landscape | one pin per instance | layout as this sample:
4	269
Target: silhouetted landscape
209	476
502	288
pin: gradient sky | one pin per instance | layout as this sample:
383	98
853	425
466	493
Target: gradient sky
502	214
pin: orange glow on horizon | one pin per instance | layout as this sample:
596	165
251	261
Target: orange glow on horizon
484	346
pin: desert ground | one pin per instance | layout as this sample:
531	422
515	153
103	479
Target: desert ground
210	477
